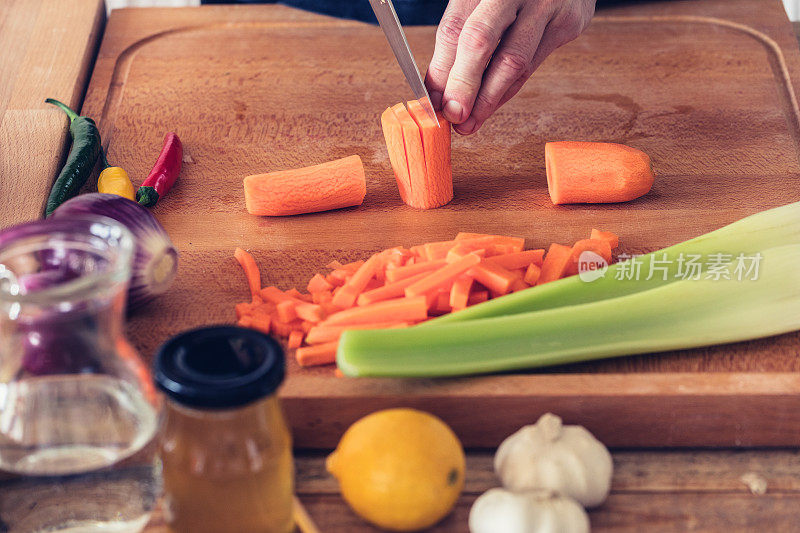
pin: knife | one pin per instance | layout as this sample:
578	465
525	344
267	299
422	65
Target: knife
390	24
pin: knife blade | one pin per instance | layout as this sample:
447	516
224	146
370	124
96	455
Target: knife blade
390	24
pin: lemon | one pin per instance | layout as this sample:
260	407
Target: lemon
400	469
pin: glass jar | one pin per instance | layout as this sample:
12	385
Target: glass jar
78	411
225	447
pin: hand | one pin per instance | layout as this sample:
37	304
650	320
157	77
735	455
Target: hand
487	49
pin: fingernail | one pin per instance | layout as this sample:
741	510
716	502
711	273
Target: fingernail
436	100
467	127
452	111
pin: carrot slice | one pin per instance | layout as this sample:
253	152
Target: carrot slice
494	277
441	277
397	310
295	339
251	271
532	274
318	284
330	185
597	246
589	172
393	134
320	334
459	292
436	152
516	259
320	354
412	270
613	240
555	263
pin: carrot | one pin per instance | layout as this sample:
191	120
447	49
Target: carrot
555	263
245	321
393	134
354	286
441	304
286	311
284	329
517	285
494	277
439	278
589	172
478	297
320	354
251	271
532	274
320	334
295	339
322	297
613	240
516	243
459	292
276	296
517	259
390	290
262	323
310	312
243	309
396	310
318	284
331	185
596	246
414	155
412	270
436	152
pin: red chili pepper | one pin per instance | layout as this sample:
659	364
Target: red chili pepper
164	173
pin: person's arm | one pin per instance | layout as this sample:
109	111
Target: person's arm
487	49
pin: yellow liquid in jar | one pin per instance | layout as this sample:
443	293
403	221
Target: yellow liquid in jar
227	470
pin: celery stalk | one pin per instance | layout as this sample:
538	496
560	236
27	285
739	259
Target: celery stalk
767	229
677	315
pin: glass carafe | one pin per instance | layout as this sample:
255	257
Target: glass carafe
78	411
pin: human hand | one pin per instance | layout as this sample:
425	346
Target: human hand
487	49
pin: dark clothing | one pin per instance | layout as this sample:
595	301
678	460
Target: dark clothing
410	12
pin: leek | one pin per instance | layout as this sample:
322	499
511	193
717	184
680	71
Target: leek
671	316
767	229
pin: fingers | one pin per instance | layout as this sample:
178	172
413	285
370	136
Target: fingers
511	62
444	54
477	42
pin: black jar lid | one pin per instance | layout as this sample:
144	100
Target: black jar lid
219	367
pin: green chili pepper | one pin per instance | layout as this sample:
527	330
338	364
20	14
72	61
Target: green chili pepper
81	160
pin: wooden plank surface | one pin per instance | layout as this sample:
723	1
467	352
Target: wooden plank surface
47	49
257	88
651	491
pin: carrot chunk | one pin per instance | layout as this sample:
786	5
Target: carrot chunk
590	172
295	339
330	185
320	354
286	310
555	263
613	240
318	284
532	274
597	246
494	277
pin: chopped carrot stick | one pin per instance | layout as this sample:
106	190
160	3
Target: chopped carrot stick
441	304
517	259
284	329
516	243
459	292
276	296
412	270
243	309
518	285
390	290
262	323
320	334
396	310
418	251
478	297
357	283
245	321
555	263
251	271
443	276
322	297
591	172
494	277
354	265
599	247
330	185
613	240
310	312
318	284
459	250
286	310
295	339
320	354
532	274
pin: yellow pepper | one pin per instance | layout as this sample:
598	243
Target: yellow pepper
114	180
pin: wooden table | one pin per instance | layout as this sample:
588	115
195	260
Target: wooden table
54	44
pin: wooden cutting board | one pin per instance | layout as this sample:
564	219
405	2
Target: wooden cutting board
706	88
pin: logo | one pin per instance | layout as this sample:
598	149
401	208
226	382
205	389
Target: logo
591	266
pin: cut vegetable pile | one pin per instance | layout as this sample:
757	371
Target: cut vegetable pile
400	287
419	152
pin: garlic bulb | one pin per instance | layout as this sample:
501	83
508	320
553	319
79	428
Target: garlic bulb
565	459
541	511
